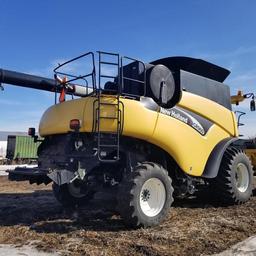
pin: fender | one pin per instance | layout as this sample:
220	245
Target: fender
214	160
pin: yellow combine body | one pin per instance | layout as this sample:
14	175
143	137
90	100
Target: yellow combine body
154	126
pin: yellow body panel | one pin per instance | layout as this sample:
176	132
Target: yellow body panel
55	119
189	149
210	110
186	145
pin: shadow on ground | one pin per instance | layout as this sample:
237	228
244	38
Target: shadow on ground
43	213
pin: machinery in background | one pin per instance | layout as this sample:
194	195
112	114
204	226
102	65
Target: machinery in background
21	149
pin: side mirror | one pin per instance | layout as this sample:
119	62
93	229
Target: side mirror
252	105
32	132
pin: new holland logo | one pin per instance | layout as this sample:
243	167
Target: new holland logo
174	114
184	117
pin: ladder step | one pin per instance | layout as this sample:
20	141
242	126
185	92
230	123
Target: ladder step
109	160
108	146
107	103
104	141
108	117
106	132
109	63
108	53
106	76
107	138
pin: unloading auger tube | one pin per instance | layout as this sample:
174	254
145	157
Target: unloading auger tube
40	83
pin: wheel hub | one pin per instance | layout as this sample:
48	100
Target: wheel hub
152	197
145	195
242	177
75	190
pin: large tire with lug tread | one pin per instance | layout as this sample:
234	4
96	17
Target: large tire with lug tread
145	196
70	195
234	182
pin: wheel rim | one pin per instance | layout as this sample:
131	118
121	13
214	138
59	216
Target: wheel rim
75	191
152	197
242	177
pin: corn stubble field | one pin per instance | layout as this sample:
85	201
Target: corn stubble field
30	215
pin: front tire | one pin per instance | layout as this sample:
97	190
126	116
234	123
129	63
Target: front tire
145	196
71	195
234	182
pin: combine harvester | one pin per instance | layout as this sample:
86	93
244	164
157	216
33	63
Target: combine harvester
147	134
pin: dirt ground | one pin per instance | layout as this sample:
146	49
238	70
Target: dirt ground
29	214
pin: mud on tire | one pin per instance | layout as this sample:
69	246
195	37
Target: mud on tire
234	182
145	196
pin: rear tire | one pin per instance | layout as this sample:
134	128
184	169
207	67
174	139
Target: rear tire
234	182
145	196
70	195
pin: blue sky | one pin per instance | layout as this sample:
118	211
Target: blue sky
36	35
